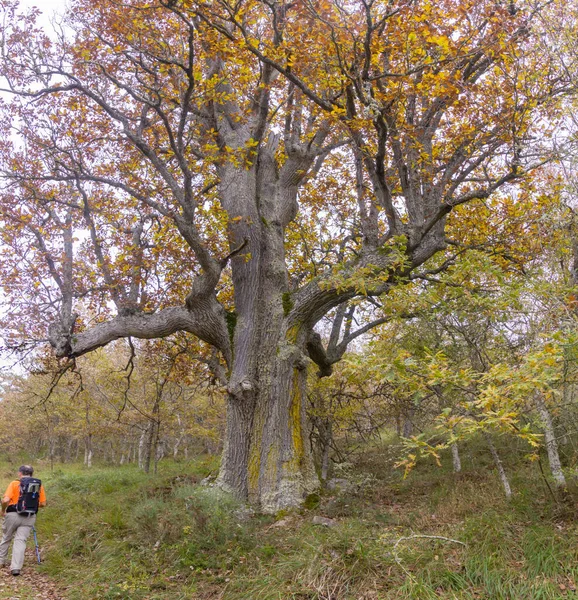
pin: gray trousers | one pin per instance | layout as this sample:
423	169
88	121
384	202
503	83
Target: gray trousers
18	527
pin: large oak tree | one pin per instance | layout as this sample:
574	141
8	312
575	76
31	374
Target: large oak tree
241	170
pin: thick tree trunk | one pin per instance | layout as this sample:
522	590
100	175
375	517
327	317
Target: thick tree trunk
550	439
285	466
267	457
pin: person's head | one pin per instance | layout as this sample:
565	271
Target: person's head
25	471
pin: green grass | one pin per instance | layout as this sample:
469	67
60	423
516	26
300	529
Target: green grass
116	533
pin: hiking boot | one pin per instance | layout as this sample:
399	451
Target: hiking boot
15	572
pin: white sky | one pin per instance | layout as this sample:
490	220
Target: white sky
47	7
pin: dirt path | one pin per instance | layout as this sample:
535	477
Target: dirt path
30	585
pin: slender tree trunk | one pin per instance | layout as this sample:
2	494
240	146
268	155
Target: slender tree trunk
112	452
153	435
142	449
160	451
88	436
176	447
325	456
408	416
148	447
407	427
69	447
52	445
550	439
457	463
179	438
499	466
88	450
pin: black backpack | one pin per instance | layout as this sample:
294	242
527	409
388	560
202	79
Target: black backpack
29	496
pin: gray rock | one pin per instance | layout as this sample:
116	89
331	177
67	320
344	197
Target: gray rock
283	522
324	521
340	485
244	514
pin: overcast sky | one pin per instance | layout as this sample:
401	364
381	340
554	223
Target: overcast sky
47	7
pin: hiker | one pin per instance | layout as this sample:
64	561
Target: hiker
20	504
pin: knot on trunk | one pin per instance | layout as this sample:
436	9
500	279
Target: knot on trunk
301	362
60	335
238	389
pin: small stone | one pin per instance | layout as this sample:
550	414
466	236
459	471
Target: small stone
339	485
244	514
283	522
324	521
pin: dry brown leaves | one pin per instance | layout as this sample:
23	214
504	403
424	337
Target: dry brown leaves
29	585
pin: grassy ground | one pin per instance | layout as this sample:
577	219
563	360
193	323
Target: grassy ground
115	533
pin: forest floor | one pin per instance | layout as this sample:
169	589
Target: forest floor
113	533
29	585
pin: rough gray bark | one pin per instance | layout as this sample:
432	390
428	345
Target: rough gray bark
550	440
